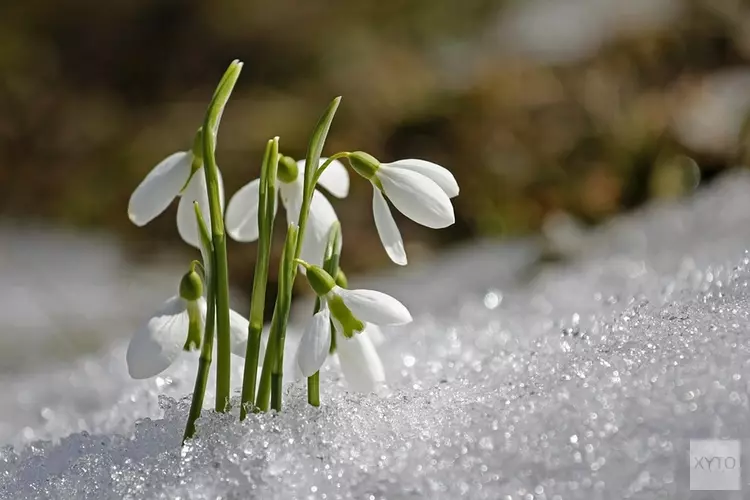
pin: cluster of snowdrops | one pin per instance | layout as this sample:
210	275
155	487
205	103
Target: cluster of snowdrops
344	322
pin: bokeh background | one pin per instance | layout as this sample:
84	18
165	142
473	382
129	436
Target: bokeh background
540	108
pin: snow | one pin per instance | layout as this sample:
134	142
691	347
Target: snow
586	382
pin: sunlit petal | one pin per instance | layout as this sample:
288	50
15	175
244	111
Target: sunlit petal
241	219
388	231
374	307
157	190
360	363
196	190
315	344
156	345
417	197
439	175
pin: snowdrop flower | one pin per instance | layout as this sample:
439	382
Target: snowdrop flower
177	326
350	311
419	189
178	175
242	212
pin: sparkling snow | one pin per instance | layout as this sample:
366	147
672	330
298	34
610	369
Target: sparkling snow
585	383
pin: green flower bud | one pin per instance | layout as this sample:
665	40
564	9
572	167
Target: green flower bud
191	286
320	281
343	314
288	170
341	279
364	164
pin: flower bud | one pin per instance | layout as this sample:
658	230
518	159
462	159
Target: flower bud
320	281
364	164
191	286
288	170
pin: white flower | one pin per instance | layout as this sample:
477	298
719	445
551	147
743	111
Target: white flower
419	189
352	312
241	219
358	358
171	178
157	344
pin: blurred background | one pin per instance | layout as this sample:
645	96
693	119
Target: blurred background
540	108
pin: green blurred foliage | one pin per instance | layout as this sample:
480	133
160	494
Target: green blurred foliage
93	94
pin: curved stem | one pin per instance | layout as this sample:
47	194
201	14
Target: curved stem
325	164
221	265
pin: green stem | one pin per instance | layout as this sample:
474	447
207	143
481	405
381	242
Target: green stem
313	389
266	213
207	348
273	363
331	266
210	129
325	164
204	366
284	304
263	399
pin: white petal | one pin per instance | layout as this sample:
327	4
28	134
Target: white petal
291	198
315	343
375	333
417	197
162	185
387	229
241	219
319	222
196	190
440	175
158	343
335	178
374	307
360	363
238	329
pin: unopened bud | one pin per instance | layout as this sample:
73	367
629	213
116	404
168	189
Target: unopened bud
288	170
364	164
191	286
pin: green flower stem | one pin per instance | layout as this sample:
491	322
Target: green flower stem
325	164
263	399
266	214
204	362
273	363
331	266
221	266
289	269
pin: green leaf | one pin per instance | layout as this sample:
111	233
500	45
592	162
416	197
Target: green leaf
317	141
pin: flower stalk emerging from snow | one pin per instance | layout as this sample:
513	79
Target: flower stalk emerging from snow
419	189
331	266
220	264
266	213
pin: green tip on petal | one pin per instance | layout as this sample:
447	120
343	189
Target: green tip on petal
344	316
191	286
364	164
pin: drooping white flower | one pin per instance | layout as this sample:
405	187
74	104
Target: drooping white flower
241	219
419	189
158	343
351	311
175	176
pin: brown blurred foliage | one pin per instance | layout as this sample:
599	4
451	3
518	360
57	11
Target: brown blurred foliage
93	94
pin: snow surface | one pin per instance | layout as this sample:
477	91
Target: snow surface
585	383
